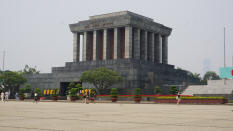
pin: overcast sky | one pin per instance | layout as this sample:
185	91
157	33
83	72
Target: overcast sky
36	32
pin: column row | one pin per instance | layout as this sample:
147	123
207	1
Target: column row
124	42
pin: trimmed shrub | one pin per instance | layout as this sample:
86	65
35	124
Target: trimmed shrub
138	93
157	90
189	98
114	92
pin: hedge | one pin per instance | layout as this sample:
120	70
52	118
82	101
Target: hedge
189	98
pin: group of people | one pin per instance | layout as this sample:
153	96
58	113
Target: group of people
4	96
86	94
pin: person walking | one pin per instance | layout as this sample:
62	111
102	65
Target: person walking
2	96
87	96
178	98
6	97
83	96
16	96
94	96
35	98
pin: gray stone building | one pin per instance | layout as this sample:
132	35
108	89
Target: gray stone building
129	43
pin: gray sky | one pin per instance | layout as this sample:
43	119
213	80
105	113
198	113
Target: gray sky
37	32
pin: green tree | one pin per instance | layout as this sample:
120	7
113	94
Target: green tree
78	86
173	90
71	85
211	75
193	78
196	76
21	92
28	88
101	78
30	70
157	90
73	92
12	81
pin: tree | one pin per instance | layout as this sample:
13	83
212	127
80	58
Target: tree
73	92
12	80
210	75
21	92
28	88
79	87
71	85
173	90
101	78
193	78
30	70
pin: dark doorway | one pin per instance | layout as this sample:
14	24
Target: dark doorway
63	87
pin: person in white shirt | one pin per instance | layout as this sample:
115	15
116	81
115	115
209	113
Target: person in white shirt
6	96
35	98
2	96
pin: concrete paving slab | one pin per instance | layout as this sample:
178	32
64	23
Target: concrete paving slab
63	116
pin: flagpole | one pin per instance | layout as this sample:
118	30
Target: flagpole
3	61
224	48
224	41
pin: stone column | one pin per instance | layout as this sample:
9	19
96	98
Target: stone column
146	45
152	47
76	46
128	42
95	45
105	44
116	43
136	40
149	46
84	56
158	49
143	42
165	49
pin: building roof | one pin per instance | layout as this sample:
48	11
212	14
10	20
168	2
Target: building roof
120	19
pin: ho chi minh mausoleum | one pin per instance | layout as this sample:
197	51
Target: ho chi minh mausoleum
129	43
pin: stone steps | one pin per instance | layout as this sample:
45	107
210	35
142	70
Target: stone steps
213	87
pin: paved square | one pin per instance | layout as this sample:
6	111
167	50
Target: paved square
59	116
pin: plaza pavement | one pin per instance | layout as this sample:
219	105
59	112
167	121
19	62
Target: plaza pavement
65	116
